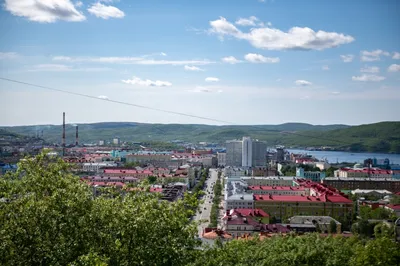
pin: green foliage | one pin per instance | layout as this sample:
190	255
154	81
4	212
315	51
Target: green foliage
49	217
366	212
216	201
363	228
378	137
303	250
131	164
152	179
382	251
330	171
384	230
332	227
395	199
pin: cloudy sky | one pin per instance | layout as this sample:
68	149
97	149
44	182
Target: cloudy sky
242	61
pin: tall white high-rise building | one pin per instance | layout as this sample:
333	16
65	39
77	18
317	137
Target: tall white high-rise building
247	152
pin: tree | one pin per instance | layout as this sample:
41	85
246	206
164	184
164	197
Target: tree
332	227
395	199
152	179
49	217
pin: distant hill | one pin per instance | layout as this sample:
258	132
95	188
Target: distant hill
379	137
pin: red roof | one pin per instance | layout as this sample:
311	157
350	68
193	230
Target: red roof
395	207
373	171
247	212
283	188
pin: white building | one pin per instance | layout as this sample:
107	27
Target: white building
95	167
247	152
116	141
101	142
269	180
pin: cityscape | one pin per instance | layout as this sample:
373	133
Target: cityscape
194	159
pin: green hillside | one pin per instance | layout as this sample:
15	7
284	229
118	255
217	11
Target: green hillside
379	137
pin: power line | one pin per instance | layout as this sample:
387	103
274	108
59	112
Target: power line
165	111
115	101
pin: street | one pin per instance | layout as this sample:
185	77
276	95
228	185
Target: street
205	208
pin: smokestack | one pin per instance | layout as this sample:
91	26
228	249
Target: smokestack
63	135
76	136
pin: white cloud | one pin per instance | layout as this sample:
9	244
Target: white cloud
147	82
131	60
206	89
78	4
335	92
257	58
301	82
212	79
325	67
396	55
105	12
193	68
8	55
65	68
366	77
230	60
251	21
46	11
274	39
368	69
51	67
375	55
347	58
394	68
163	54
103	97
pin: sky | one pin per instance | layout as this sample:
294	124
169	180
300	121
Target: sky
235	62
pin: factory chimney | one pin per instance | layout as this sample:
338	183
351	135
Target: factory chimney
76	136
63	135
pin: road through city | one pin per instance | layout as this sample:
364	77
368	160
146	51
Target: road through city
205	208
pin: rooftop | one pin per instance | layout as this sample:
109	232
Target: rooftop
279	188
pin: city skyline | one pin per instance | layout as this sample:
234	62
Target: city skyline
246	62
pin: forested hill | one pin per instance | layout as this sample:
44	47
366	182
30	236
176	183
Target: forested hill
378	137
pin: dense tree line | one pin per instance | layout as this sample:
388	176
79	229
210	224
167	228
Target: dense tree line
50	217
216	201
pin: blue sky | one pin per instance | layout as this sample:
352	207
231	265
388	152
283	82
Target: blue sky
242	61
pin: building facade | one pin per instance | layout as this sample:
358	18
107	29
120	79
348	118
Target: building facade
247	152
259	154
393	185
315	176
234	153
221	156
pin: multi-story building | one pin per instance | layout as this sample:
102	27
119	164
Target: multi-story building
97	167
259	154
268	180
287	206
393	185
234	153
116	141
363	172
263	171
221	156
315	176
127	172
247	152
230	172
276	190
